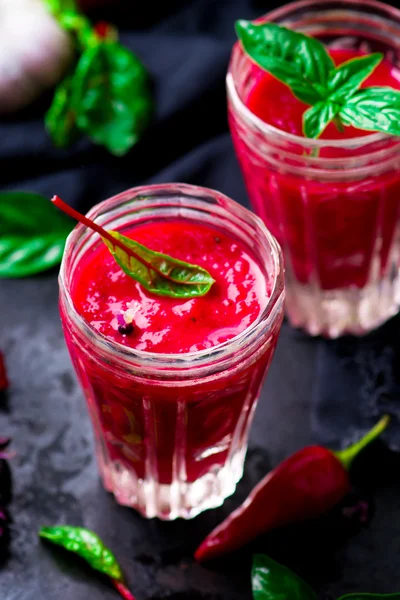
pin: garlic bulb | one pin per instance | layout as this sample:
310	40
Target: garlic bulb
34	52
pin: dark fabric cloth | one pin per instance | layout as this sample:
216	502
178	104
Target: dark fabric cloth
186	47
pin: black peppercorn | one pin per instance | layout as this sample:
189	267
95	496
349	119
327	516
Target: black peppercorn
126	329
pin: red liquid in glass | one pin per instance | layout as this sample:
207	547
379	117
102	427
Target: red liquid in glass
199	417
342	216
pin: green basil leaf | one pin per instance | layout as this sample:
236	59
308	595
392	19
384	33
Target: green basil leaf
316	118
87	545
159	273
32	234
59	6
361	596
74	21
347	78
79	25
272	581
299	61
111	96
60	119
373	109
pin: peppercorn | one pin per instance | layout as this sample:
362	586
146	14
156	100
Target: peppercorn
126	329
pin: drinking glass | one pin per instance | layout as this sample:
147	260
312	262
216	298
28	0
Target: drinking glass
333	205
171	429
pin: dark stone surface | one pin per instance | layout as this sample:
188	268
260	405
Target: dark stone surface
55	481
55	477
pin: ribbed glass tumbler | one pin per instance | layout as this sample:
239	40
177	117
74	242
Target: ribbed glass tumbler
333	205
171	429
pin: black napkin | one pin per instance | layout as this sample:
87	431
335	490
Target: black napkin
357	380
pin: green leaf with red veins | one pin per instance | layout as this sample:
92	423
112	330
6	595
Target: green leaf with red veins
87	545
159	273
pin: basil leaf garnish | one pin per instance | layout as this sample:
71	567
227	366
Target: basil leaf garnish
303	64
373	109
159	273
299	61
347	77
272	581
316	118
32	234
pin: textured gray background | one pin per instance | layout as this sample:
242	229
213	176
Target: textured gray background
55	481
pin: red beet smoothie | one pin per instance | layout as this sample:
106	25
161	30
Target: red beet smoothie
102	291
344	215
193	420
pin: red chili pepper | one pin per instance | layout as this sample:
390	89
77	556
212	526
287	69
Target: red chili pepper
304	486
3	374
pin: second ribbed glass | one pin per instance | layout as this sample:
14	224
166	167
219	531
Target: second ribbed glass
332	205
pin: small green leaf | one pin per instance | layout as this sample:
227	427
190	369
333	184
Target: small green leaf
303	63
111	96
373	109
345	80
78	25
32	235
272	581
299	61
87	545
316	118
60	119
59	6
159	273
361	596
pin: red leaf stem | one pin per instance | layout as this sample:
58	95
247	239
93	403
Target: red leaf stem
123	590
3	374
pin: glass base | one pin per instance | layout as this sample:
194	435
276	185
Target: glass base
179	499
339	312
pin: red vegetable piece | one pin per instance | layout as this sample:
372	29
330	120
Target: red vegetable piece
3	374
304	486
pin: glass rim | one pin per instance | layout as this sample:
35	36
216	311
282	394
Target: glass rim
181	360
285	136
